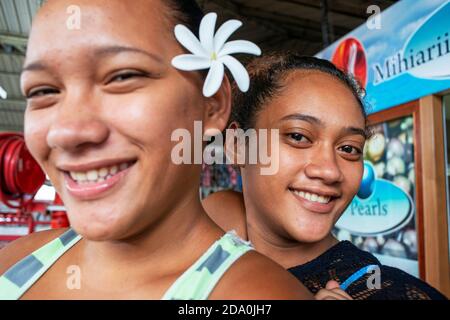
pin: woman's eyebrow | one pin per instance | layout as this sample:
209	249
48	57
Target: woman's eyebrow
112	50
303	117
355	130
317	121
99	52
35	66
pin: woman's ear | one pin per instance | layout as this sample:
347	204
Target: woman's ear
218	109
234	150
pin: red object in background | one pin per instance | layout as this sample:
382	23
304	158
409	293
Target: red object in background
21	176
59	218
350	57
29	176
20	179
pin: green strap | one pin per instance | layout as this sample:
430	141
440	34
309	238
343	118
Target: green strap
195	284
20	277
200	279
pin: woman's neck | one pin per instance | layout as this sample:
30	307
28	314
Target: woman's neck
184	232
287	252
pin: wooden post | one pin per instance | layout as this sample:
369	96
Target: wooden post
435	224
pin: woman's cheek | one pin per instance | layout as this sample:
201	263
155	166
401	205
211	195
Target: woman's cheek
358	172
291	160
36	126
148	112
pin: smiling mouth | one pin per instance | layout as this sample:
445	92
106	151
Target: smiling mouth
94	183
313	197
95	176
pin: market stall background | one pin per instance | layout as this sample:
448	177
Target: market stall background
337	30
404	66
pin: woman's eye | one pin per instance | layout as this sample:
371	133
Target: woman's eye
41	92
351	150
125	76
297	137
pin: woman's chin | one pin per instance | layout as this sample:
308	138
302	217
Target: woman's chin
97	229
311	239
311	234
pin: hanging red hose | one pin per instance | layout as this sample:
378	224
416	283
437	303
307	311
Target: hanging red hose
21	177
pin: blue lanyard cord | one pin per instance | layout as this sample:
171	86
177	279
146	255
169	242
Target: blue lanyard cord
358	274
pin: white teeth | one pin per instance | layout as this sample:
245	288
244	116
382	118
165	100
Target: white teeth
114	170
313	197
92	175
98	175
80	176
103	172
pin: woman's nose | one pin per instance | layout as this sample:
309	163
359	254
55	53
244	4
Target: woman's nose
73	129
324	166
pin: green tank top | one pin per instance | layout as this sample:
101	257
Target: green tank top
196	283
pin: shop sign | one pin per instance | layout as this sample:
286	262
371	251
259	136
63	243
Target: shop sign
408	57
380	207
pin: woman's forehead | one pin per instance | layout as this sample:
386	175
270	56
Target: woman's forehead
139	10
100	21
315	94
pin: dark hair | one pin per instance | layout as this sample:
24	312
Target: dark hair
186	12
266	77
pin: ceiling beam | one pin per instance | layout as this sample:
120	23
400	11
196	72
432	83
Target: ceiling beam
356	9
10	127
17	41
11	110
300	11
14	101
12	39
3	52
9	73
287	20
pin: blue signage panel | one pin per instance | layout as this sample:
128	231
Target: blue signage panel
380	208
402	57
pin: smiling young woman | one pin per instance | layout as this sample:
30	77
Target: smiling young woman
102	104
289	216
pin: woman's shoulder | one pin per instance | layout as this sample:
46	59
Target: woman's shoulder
24	246
396	283
255	277
230	216
342	256
345	260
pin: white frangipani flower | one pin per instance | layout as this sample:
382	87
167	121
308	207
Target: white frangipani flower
213	52
3	93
